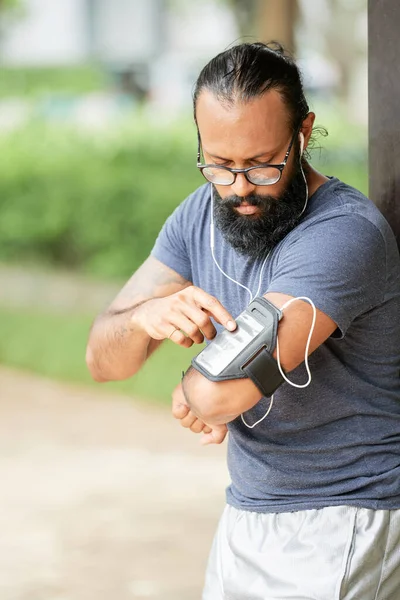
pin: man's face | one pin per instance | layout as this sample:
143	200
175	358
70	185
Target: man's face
252	218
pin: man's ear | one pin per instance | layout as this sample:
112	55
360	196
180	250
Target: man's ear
307	127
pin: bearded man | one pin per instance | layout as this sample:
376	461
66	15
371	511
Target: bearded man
313	507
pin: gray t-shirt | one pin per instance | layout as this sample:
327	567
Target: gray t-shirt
338	440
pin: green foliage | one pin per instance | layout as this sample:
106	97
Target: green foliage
96	202
93	202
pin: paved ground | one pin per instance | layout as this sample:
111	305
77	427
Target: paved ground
102	497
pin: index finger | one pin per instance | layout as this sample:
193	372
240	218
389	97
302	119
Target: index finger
215	308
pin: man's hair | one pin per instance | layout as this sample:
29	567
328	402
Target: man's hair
247	71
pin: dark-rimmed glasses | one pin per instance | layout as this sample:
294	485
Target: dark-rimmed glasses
265	174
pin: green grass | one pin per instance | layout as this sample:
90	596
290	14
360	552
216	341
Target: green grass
53	345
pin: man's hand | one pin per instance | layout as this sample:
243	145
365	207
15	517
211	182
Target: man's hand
183	317
181	411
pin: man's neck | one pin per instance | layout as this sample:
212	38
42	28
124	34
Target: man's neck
314	179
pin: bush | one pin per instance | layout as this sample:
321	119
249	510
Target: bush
96	202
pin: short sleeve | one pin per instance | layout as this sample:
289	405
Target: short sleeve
170	247
339	263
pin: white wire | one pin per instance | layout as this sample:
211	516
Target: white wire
215	260
283	307
260	278
227	276
262	418
303	385
265	259
278	359
306	184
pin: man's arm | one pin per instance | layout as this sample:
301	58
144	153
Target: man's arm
155	304
118	346
221	402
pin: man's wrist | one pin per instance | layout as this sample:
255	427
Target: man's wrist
136	311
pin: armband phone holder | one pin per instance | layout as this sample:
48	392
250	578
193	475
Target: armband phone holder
247	351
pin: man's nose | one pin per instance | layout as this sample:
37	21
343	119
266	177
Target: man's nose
241	186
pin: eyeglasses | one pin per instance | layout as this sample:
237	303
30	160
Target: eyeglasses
266	174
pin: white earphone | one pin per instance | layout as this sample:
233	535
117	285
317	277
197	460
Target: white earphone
301	142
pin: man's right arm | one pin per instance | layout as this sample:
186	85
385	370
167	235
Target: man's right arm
157	303
118	346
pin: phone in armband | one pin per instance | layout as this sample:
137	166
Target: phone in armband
247	351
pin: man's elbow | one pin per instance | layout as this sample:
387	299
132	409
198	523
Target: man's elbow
217	418
208	414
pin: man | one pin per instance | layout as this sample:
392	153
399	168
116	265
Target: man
313	507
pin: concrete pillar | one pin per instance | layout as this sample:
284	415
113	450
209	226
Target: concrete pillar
384	108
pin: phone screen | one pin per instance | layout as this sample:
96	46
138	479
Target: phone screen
228	344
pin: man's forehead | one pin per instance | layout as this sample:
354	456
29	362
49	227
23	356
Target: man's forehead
261	123
270	104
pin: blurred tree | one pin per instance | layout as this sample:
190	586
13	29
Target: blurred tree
337	31
276	20
267	19
246	12
343	42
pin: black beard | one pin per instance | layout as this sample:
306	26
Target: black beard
256	235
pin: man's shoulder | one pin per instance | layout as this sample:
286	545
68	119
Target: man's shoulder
336	196
341	225
197	203
346	209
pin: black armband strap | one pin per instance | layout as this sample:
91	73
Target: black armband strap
263	370
247	351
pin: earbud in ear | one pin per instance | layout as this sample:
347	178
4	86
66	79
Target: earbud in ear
301	143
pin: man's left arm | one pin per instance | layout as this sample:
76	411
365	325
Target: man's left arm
221	402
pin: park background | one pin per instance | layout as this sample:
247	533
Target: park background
98	146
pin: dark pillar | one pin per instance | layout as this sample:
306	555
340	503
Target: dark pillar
384	108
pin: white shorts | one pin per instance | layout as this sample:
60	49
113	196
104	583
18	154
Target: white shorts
334	553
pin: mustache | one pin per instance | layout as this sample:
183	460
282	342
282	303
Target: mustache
252	200
253	236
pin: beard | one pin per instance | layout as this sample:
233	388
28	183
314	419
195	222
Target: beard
255	235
